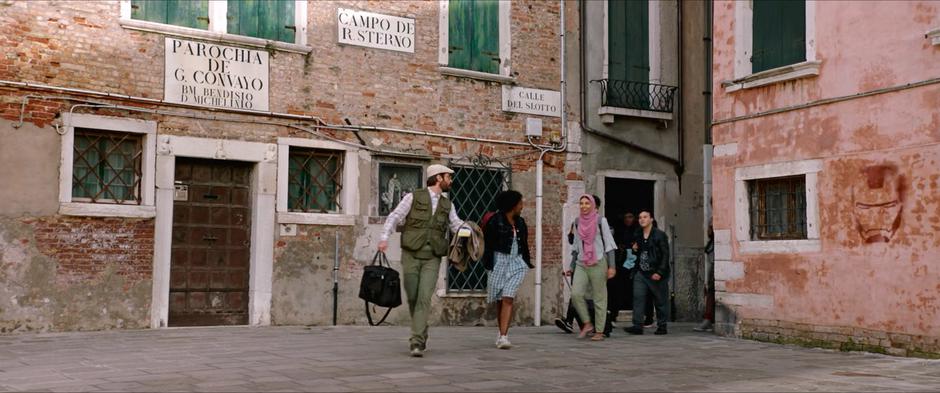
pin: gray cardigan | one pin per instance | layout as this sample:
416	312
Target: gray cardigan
604	244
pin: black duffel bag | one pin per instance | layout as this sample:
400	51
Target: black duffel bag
380	286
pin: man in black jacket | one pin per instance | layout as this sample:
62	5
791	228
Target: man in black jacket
652	250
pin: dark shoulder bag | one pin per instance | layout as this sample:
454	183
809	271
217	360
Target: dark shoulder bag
380	286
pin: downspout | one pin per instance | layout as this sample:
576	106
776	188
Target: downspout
680	132
553	147
583	101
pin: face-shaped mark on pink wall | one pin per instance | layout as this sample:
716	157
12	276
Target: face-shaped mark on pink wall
877	199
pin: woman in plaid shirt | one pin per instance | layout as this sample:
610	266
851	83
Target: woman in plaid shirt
507	258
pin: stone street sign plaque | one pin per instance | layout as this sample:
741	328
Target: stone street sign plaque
216	76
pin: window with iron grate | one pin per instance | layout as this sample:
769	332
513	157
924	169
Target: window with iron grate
778	208
107	167
315	180
474	194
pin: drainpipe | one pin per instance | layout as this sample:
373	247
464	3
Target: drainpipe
680	132
554	147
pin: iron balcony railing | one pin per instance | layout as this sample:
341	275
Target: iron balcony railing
637	95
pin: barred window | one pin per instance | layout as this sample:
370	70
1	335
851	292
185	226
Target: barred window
474	193
778	208
315	179
107	167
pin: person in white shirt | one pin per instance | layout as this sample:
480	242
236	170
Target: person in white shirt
428	215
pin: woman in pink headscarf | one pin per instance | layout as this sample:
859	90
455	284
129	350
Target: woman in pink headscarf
593	260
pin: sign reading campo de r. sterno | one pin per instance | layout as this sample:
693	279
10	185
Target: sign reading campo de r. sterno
218	76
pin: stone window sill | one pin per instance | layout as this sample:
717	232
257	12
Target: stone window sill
779	246
106	210
186	32
608	113
316	219
445	294
806	69
934	36
484	76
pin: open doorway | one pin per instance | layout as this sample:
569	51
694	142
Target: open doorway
624	196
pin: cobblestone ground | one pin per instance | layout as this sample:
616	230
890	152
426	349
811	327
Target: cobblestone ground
459	359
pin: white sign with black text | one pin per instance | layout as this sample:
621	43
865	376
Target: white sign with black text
375	30
216	76
531	101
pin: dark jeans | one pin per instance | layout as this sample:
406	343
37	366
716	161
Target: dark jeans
643	286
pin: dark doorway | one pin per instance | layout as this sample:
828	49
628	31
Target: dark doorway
623	196
626	195
209	263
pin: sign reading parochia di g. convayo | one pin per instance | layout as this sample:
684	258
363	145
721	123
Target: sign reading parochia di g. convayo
216	76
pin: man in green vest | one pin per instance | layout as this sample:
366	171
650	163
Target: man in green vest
427	213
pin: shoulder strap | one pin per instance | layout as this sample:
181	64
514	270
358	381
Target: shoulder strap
601	232
369	315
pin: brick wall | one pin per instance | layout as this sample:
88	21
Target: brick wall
84	247
82	45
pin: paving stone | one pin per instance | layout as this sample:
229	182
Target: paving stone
461	359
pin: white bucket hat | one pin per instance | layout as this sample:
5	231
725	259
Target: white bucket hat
437	169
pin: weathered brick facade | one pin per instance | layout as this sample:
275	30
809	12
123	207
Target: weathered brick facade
75	53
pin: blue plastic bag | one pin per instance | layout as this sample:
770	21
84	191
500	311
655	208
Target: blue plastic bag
630	262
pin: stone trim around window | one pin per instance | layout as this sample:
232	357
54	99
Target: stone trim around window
934	36
608	114
505	47
349	193
217	32
743	42
809	168
146	209
806	69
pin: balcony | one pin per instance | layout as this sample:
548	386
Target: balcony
636	99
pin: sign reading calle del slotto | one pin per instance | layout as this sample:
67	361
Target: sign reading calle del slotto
375	30
217	76
531	101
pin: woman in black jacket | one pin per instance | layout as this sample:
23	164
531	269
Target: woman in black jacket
506	256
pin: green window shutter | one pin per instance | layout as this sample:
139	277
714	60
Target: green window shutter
186	13
779	36
485	56
459	33
473	35
267	19
628	53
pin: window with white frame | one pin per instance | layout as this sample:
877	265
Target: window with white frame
633	81
777	207
774	42
107	166
474	38
282	21
317	182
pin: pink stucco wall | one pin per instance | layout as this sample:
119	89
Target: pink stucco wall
889	286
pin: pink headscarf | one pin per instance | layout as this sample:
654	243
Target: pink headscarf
587	230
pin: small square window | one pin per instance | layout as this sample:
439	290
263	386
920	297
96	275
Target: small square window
315	180
396	181
778	208
107	167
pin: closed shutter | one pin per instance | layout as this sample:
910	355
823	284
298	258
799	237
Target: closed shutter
628	53
779	33
459	33
473	35
267	19
185	13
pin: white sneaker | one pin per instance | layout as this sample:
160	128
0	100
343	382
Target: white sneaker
503	342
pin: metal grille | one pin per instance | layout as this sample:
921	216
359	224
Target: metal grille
778	208
477	181
315	179
637	95
106	167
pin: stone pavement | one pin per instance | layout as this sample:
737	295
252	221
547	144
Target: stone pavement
360	358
